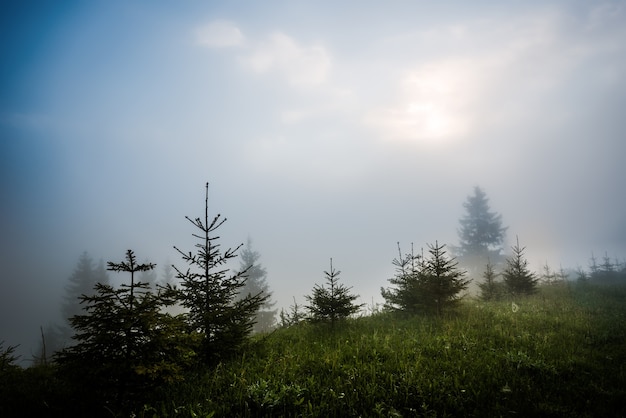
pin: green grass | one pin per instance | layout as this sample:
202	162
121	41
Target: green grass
563	353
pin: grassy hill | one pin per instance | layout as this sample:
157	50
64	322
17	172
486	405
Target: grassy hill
561	352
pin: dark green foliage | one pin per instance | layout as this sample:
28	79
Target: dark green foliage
518	278
425	285
33	392
332	302
215	313
490	289
406	296
256	283
125	345
441	280
7	358
481	234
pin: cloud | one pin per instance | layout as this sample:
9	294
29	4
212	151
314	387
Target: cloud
301	65
220	34
499	75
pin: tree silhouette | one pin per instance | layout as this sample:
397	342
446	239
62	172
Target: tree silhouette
332	302
481	235
426	285
82	282
441	280
294	316
406	296
256	283
85	276
490	288
216	314
518	278
126	345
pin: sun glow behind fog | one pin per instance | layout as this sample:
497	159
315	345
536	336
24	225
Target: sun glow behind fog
430	108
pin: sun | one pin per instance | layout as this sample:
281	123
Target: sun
429	121
430	108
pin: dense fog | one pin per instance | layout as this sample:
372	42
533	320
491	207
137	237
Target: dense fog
324	131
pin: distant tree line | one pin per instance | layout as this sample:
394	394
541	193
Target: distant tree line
605	272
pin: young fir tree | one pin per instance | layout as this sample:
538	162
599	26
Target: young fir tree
518	278
293	317
333	302
426	285
490	288
215	313
406	296
481	234
441	280
265	317
125	345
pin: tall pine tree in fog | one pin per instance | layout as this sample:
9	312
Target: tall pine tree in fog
256	283
82	282
518	278
210	292
481	234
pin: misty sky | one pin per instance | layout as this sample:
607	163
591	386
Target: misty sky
325	130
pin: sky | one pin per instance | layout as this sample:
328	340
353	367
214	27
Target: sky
325	129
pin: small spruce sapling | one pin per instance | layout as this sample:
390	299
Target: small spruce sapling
333	302
518	278
490	288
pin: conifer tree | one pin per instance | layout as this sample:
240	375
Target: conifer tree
406	295
293	317
125	345
481	234
55	336
82	282
210	292
441	280
490	289
256	283
333	302
548	276
518	278
426	285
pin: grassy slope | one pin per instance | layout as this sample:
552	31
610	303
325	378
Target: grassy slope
563	353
